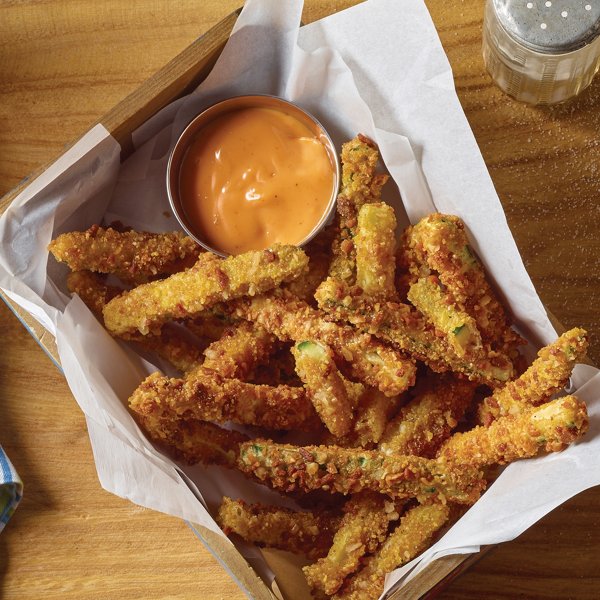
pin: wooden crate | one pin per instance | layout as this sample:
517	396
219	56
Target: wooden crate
179	77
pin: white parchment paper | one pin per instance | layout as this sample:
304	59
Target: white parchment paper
375	69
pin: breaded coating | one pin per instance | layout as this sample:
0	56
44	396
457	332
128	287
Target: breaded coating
318	251
92	289
412	535
348	471
369	360
359	180
211	280
169	344
360	185
548	374
190	440
308	533
372	413
429	418
306	285
133	256
207	396
550	427
440	241
173	346
408	267
239	351
210	325
363	527
404	328
428	297
375	244
324	385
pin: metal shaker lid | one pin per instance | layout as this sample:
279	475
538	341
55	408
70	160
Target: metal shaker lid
550	26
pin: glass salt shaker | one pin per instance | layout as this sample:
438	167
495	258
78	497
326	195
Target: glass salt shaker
542	51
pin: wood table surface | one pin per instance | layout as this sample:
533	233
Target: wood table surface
63	63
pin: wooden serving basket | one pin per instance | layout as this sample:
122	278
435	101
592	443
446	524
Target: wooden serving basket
178	78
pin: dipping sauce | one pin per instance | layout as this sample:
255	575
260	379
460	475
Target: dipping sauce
255	176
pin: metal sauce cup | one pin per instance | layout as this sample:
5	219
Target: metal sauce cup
232	104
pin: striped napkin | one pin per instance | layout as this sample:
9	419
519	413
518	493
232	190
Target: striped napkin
11	489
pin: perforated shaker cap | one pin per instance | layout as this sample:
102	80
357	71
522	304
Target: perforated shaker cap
550	26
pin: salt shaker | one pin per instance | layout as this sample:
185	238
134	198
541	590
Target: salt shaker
542	51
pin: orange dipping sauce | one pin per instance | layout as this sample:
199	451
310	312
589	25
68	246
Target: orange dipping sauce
253	177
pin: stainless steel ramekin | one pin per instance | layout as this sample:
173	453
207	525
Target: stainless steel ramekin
232	104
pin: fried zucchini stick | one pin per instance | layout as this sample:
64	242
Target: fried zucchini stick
190	440
363	527
375	244
209	281
371	416
360	185
241	348
428	419
440	241
133	256
348	471
550	427
308	533
413	534
375	269
207	396
459	328
92	289
405	329
548	374
291	319
169	343
324	385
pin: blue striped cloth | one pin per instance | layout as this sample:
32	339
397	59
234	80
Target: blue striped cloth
11	489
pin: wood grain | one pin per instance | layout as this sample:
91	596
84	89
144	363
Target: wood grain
64	63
